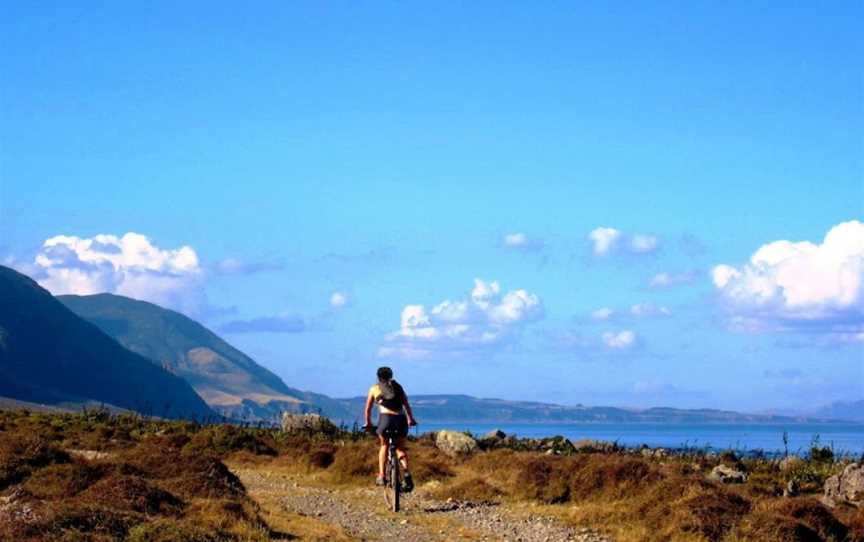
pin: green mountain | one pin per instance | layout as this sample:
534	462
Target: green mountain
229	381
50	355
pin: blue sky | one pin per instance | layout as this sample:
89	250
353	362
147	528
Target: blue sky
385	152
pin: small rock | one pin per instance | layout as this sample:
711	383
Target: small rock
727	475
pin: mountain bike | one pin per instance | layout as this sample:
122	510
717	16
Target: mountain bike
392	472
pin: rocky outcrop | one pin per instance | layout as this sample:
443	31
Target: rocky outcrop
304	422
727	475
454	443
495	434
846	487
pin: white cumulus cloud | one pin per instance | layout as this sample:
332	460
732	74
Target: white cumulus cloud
130	265
603	313
620	340
649	310
520	241
799	285
338	300
487	319
636	311
610	241
666	280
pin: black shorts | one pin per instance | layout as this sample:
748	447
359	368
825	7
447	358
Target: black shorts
395	424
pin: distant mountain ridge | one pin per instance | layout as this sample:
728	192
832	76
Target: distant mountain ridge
468	409
50	355
843	410
229	381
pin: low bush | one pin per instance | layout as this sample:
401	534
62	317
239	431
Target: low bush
355	462
21	454
169	530
767	527
813	514
62	481
472	489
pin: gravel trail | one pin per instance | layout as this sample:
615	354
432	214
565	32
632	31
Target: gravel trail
362	513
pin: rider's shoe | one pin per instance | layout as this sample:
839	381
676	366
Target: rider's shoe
379	481
408	483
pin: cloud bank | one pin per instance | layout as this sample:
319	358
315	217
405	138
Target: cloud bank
487	320
799	286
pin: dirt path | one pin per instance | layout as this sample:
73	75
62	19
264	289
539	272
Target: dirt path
323	513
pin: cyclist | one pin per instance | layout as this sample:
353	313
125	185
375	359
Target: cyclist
391	400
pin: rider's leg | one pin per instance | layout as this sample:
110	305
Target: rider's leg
382	456
408	485
400	453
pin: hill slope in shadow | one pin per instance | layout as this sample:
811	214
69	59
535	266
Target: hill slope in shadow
50	355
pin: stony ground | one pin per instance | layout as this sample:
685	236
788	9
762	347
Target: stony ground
362	513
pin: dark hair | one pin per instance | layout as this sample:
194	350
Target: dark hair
385	373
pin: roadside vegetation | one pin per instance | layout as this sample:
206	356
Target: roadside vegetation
98	476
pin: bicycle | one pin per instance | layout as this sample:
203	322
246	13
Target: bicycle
392	475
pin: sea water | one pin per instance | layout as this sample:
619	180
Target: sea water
843	438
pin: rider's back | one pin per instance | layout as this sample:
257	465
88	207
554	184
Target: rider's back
389	394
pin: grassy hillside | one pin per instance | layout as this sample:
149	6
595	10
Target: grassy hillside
229	381
50	355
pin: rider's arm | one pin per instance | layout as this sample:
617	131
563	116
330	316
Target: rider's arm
411	420
368	411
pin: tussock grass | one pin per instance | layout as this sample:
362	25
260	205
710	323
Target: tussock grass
149	485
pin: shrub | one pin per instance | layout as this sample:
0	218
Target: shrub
856	526
133	493
169	530
428	463
321	458
610	475
542	479
711	514
815	515
62	481
472	489
767	527
355	461
224	439
20	455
